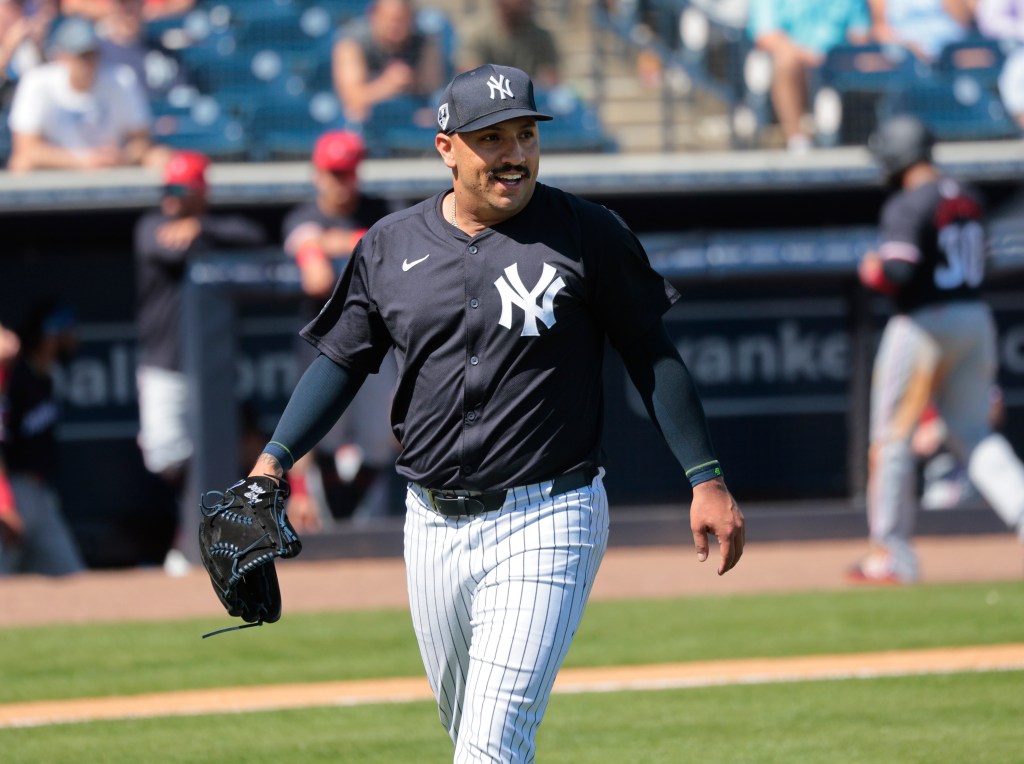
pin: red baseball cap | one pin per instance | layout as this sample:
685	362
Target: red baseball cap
338	151
186	168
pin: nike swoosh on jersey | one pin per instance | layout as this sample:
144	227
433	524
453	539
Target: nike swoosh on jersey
406	265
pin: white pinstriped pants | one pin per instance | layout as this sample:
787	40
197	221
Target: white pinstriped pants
496	599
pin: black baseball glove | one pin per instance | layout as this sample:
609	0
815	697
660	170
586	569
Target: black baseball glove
241	532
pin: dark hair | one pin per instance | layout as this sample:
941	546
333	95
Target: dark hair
46	316
899	143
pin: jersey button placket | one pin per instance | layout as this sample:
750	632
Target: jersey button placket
473	433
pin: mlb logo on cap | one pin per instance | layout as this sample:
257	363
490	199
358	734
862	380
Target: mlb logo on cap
485	96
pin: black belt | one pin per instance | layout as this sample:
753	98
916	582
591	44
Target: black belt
453	502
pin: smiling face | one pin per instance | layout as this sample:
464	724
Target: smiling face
494	169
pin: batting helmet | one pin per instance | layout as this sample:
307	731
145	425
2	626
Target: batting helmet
900	142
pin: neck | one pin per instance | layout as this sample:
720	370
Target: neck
920	174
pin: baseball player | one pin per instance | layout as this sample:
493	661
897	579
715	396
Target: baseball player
318	234
165	240
940	346
497	295
35	536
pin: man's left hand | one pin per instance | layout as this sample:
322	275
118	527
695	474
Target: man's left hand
714	510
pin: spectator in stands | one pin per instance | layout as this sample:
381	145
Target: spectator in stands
509	34
797	34
382	56
321	235
922	26
73	113
1004	20
23	29
165	240
123	43
34	535
151	9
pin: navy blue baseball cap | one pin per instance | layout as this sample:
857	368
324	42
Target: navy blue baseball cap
485	96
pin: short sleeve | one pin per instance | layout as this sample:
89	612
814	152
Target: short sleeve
763	18
28	107
628	295
349	329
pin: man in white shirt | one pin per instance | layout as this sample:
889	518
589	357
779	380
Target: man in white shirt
74	113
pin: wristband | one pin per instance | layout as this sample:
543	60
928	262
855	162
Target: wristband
704	472
297	481
310	252
6	496
280	452
872	275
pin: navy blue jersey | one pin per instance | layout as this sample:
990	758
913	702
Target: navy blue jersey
29	429
933	244
160	273
499	338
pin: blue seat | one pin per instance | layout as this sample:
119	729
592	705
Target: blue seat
874	67
856	78
286	128
575	128
5	139
246	11
243	80
955	108
342	11
304	32
401	127
202	126
981	57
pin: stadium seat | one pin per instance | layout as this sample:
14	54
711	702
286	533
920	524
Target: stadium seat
342	11
200	126
247	11
955	108
981	57
243	80
401	127
5	139
286	129
847	87
575	128
305	32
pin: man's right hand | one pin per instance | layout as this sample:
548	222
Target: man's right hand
12	527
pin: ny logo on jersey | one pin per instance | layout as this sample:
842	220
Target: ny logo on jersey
514	292
501	86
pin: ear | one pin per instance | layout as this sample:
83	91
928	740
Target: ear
445	147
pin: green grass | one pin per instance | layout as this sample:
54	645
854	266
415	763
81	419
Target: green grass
113	659
927	720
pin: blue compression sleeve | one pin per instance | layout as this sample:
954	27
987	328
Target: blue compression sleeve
319	399
672	401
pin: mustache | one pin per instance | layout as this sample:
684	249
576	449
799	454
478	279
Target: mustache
521	169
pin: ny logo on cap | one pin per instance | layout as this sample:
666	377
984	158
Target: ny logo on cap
501	86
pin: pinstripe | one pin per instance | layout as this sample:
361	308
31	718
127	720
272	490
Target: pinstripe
496	600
